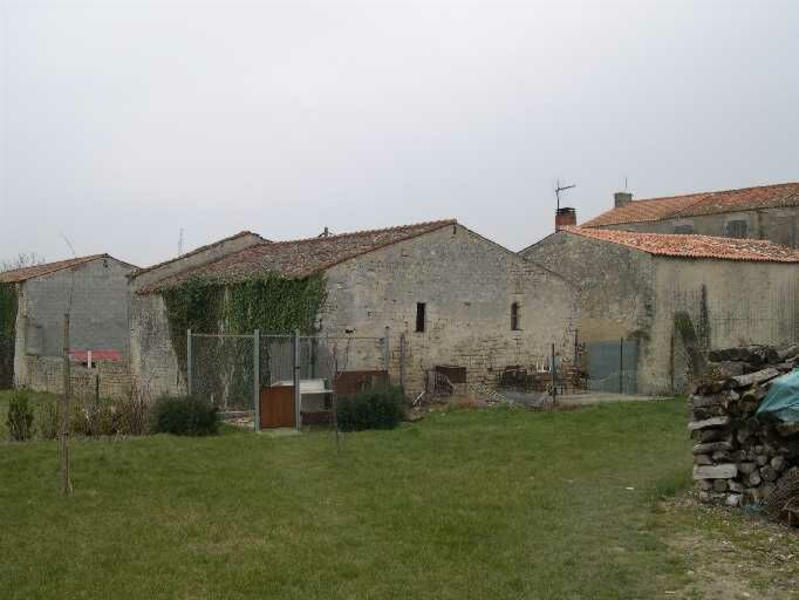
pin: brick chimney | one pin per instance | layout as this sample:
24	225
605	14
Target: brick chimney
565	216
622	198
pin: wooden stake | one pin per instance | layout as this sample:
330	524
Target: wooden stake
66	484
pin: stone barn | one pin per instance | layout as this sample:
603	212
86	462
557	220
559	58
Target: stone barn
768	212
673	297
34	300
453	297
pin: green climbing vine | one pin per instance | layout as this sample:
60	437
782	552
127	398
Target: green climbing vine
8	319
271	304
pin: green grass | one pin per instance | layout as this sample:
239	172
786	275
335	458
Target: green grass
467	504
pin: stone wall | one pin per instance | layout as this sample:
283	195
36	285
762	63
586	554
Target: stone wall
468	284
98	313
728	303
153	362
615	284
626	293
780	225
46	374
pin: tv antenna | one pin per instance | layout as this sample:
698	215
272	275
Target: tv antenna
561	188
180	242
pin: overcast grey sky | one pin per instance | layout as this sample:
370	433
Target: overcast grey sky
123	122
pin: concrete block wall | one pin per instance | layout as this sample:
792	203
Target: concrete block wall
46	374
96	294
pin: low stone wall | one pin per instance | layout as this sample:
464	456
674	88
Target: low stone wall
111	379
738	459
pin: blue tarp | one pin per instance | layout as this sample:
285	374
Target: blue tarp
782	400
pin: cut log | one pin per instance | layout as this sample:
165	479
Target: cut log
711	447
747	467
708	423
758	377
726	471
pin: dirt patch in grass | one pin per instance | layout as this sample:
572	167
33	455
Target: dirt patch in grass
728	553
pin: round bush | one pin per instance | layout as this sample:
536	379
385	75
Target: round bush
184	415
377	408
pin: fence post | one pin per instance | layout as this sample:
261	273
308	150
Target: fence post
402	361
66	484
386	350
297	395
256	376
188	361
621	365
554	377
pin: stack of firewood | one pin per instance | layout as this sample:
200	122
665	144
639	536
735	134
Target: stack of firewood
739	459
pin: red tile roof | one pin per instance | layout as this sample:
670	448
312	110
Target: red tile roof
197	250
25	273
706	203
692	246
298	258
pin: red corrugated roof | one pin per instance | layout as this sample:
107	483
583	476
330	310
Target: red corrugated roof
25	273
298	258
692	246
97	355
706	203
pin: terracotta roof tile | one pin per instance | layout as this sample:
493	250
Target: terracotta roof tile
25	273
197	250
298	258
706	203
692	246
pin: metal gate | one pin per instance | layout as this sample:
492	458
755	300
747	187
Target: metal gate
281	380
613	366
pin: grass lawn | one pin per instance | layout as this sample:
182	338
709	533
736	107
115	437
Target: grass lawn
487	503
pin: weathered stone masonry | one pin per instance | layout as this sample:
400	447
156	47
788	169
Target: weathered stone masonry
467	284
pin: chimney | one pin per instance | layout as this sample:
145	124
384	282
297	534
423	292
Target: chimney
622	198
565	216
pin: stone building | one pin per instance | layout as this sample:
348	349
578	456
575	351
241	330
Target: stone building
94	289
674	296
455	297
768	212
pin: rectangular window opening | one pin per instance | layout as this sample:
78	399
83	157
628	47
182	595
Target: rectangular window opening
420	316
515	325
736	228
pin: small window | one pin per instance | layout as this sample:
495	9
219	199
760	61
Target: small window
420	316
736	229
515	322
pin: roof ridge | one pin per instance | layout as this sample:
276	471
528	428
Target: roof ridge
698	204
196	250
414	230
713	192
624	238
441	222
19	274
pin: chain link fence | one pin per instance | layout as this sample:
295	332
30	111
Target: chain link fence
277	380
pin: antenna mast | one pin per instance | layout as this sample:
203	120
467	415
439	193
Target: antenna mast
561	188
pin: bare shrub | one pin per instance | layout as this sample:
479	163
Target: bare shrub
133	412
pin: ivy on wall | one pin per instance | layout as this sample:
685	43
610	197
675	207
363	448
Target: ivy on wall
271	304
8	319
